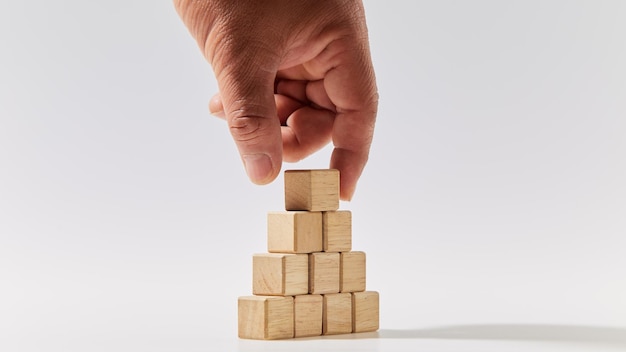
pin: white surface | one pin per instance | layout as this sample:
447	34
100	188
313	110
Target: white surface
492	210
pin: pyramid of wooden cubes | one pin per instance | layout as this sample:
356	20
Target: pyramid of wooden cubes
310	283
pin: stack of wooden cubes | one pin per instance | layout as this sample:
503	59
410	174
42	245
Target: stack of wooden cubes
310	283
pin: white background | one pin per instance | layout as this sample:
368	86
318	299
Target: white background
492	211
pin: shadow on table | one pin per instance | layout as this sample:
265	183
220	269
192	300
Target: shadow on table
521	332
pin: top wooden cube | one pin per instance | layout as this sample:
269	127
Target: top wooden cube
312	190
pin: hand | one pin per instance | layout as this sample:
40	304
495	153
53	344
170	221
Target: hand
292	75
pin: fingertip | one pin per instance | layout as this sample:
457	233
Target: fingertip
216	107
346	196
260	168
350	165
346	191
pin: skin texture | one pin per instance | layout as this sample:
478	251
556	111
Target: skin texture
293	76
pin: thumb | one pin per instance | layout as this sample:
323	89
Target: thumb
247	94
245	61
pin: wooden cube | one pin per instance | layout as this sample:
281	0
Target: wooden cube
337	231
266	317
312	190
308	315
280	274
337	316
294	232
365	311
324	272
352	274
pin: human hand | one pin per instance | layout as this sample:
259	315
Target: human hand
292	75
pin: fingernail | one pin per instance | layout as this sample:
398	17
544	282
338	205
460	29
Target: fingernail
219	114
258	167
215	107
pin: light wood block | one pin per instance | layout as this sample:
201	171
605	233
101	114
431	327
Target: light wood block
337	316
266	317
337	231
312	190
308	311
276	274
294	232
324	272
352	274
365	311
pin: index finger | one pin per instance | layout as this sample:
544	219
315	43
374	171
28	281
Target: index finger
351	86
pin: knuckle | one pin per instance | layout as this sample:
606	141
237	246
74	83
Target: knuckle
247	127
244	128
